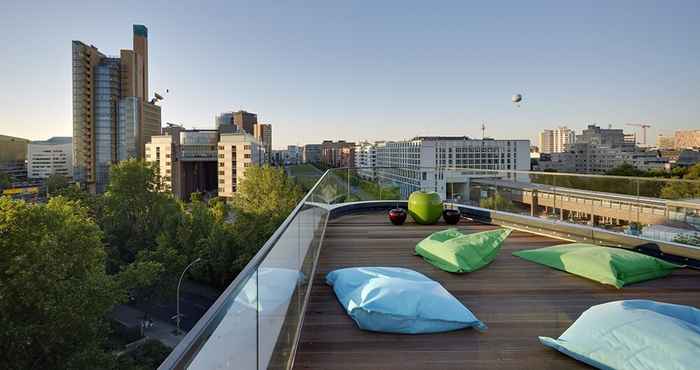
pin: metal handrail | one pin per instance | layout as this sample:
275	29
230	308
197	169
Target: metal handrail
590	175
185	351
188	346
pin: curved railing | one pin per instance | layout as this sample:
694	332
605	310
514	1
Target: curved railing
256	322
253	324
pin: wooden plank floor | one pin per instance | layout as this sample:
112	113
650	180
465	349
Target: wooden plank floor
517	299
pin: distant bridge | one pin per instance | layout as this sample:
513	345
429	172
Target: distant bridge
597	207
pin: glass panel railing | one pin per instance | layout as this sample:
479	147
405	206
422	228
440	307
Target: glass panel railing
255	323
233	327
655	209
678	220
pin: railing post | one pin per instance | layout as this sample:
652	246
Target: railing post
348	178
639	208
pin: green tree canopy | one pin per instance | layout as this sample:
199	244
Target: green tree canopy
497	202
266	191
684	190
54	291
5	181
135	211
265	197
626	169
55	183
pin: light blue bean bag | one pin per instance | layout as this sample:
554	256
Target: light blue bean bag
398	300
634	335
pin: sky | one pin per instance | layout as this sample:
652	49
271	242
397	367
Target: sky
370	70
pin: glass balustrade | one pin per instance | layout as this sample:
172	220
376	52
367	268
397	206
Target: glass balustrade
256	322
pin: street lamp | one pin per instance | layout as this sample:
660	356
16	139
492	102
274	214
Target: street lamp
178	316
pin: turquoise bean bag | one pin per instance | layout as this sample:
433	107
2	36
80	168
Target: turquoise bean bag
398	300
635	334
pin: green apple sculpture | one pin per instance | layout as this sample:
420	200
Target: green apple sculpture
425	207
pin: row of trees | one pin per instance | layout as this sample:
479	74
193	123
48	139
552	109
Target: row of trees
647	185
65	264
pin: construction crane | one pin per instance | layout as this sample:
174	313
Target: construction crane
644	130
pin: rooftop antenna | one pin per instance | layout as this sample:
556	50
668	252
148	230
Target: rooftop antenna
483	131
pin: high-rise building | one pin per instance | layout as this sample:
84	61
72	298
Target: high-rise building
338	154
236	152
112	118
202	161
555	141
231	122
161	150
51	157
610	137
187	160
263	132
687	139
245	121
224	123
13	155
433	162
311	153
599	150
665	142
366	159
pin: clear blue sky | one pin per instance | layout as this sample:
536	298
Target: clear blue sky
335	70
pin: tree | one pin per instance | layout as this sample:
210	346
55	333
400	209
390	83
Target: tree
5	181
684	190
54	290
93	202
265	197
268	192
148	356
497	202
55	183
135	211
138	279
626	169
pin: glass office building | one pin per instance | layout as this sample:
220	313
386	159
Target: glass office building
128	128
107	85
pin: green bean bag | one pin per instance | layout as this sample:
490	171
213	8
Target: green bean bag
606	265
452	251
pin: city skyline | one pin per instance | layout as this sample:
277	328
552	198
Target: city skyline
386	72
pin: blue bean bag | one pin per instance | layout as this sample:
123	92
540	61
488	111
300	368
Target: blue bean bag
635	334
398	300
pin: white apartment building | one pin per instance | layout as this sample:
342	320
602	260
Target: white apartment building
203	161
437	163
50	157
161	150
366	159
556	141
236	152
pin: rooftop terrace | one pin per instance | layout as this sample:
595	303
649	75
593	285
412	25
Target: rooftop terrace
517	299
279	313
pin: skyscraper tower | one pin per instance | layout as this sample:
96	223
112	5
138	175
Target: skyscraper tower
141	50
112	117
245	121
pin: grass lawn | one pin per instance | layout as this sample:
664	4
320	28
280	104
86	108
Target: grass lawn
305	175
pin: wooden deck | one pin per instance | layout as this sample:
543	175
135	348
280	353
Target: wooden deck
517	299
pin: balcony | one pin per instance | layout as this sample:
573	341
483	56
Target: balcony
280	314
